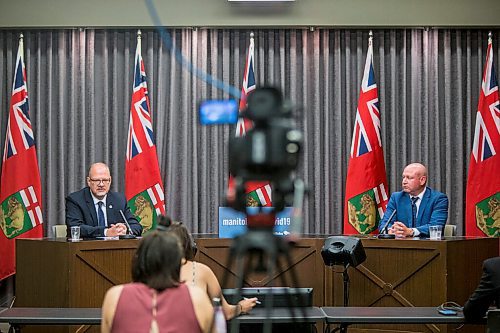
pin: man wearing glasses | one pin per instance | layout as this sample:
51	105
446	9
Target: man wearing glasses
96	210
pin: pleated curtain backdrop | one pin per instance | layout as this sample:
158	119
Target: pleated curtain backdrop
80	85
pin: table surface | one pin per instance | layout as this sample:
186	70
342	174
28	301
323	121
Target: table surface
348	315
45	316
283	315
381	315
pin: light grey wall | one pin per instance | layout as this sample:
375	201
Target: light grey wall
213	13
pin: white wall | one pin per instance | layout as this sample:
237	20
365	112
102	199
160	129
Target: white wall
213	13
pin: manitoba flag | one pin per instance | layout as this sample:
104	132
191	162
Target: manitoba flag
366	185
20	190
143	185
483	184
258	192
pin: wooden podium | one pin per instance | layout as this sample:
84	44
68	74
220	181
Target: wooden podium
410	273
58	273
305	262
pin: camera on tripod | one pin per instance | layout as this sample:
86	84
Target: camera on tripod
268	152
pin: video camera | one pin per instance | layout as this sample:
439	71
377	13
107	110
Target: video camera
268	152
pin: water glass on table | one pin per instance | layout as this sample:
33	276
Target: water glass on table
75	233
435	232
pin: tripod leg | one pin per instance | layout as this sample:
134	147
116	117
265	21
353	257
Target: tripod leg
240	275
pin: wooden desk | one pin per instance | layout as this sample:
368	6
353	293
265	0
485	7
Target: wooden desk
413	273
306	262
421	273
60	274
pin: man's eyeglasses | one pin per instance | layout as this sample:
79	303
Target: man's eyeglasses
98	181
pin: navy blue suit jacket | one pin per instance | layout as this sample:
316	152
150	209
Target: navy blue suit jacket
487	292
80	211
433	210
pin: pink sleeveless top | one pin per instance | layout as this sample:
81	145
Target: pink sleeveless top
174	310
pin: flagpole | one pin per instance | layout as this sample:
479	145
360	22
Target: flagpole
490	37
139	34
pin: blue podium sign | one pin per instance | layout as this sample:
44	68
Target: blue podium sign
233	223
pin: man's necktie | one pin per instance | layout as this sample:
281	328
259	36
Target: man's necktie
414	211
100	215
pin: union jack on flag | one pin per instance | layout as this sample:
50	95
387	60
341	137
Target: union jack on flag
488	114
483	187
366	183
140	131
143	184
21	190
249	85
258	192
19	136
367	125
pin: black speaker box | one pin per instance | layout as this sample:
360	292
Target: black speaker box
343	250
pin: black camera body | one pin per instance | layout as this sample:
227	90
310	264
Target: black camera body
269	151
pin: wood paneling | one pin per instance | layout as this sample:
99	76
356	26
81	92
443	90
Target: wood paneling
412	273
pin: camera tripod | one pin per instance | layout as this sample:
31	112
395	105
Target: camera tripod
261	244
345	276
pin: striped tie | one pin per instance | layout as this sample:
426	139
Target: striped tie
414	211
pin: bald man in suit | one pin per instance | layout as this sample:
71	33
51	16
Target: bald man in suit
430	206
96	210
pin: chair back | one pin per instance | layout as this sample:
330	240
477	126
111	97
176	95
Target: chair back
450	230
59	230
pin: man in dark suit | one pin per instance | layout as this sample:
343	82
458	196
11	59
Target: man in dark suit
96	210
417	206
487	292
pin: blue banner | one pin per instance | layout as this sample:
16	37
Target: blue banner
233	223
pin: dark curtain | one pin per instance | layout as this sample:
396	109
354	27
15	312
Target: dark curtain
80	83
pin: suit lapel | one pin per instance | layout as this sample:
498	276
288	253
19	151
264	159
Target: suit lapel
407	205
423	204
91	206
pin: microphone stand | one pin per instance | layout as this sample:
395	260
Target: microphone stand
385	233
129	234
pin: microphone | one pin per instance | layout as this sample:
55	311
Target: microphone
129	235
385	233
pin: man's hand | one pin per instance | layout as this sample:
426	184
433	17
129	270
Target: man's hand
401	230
116	230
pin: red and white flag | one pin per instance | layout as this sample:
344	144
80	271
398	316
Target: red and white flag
482	214
366	185
143	184
20	190
258	192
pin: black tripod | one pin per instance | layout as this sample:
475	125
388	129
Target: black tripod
345	275
261	244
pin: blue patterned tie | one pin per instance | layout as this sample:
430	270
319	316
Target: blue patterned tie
414	211
100	215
